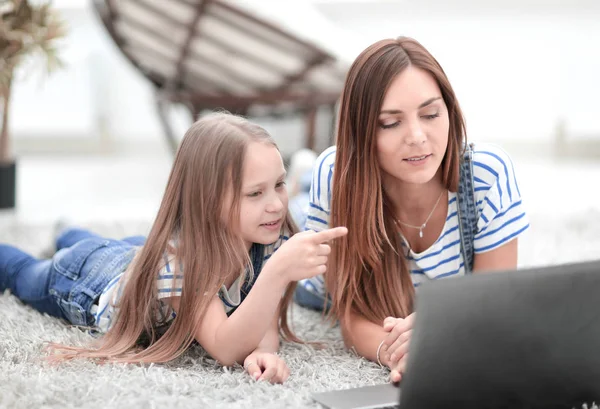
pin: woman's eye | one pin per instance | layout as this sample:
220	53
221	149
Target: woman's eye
390	125
432	116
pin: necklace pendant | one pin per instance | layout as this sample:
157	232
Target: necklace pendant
421	233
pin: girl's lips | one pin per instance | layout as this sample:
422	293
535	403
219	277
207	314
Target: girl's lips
272	225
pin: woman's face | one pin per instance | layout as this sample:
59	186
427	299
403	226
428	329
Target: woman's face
413	126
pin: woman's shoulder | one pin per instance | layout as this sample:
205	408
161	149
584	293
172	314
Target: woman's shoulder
502	215
321	186
495	182
326	158
492	165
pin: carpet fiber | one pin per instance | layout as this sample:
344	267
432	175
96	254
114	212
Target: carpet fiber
194	380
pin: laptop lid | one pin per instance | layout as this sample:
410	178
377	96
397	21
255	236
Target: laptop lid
365	397
527	338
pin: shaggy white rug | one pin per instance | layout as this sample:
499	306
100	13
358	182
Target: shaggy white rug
194	380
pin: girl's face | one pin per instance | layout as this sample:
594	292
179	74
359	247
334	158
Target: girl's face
413	127
264	198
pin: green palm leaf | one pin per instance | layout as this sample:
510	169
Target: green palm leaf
27	31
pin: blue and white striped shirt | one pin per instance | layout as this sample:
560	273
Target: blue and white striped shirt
501	215
170	285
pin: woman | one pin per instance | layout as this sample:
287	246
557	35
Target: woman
420	203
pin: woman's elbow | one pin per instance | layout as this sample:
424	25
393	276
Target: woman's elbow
346	335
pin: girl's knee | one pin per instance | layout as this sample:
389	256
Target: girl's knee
70	236
5	254
12	260
69	232
10	255
135	240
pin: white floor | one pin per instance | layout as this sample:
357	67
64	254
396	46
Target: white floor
130	187
89	188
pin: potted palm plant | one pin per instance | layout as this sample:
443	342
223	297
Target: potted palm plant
28	30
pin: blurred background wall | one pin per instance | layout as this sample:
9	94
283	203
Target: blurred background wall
525	72
90	145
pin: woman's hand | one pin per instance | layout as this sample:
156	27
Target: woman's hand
395	345
397	370
266	366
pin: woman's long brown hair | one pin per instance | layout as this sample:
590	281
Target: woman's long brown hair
367	273
209	161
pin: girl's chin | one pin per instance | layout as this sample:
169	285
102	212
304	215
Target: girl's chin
267	237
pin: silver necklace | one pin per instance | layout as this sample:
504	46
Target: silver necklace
421	227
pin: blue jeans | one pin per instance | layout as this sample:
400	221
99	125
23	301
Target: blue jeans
310	300
67	285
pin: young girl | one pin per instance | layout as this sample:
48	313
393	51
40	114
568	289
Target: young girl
217	266
420	203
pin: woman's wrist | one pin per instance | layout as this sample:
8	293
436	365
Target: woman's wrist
380	354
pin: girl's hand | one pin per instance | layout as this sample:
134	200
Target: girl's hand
304	255
266	366
398	340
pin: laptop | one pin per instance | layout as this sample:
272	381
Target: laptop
364	397
523	338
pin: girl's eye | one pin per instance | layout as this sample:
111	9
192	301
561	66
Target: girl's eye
280	184
253	194
391	125
432	116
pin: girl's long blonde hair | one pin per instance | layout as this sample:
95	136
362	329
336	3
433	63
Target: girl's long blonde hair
367	273
209	161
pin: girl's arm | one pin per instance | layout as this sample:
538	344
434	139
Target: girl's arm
270	342
231	339
263	363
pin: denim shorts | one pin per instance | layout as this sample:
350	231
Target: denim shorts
81	272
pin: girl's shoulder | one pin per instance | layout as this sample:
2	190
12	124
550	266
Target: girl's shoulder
271	248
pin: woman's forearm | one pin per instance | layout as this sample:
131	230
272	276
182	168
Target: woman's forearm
365	337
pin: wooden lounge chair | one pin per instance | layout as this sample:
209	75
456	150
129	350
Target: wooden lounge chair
210	54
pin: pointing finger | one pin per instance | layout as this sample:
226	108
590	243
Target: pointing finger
329	234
